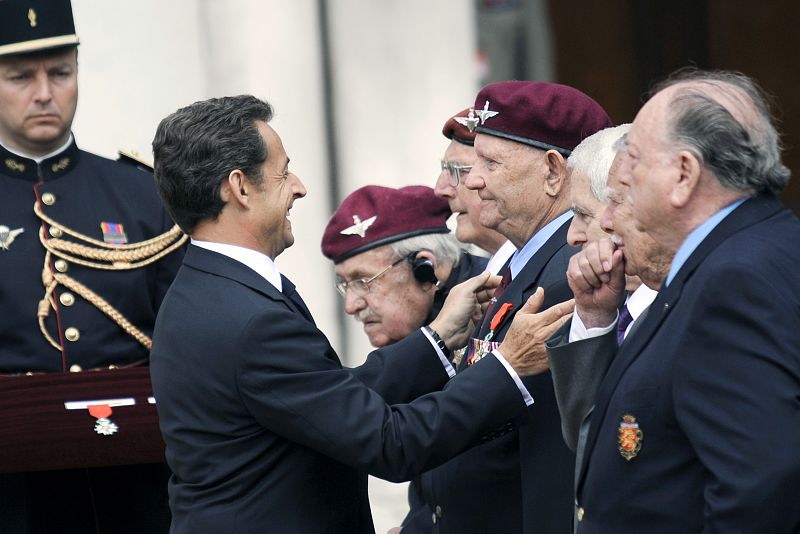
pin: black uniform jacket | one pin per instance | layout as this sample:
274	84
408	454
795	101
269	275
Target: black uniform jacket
81	191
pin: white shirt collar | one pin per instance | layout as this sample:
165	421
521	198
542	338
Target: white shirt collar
42	158
260	263
500	257
639	300
524	255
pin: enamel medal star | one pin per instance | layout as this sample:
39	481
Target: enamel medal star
359	227
484	114
470	121
7	236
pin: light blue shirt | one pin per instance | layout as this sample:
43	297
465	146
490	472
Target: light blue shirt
697	236
524	255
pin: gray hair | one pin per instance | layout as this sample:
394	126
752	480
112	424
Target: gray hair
593	158
738	143
445	247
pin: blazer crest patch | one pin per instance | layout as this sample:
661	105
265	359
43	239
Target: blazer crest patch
630	437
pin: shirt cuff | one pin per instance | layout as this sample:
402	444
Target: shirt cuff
445	362
526	396
578	330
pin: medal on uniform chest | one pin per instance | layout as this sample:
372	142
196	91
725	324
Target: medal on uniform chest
7	236
104	426
630	437
481	347
113	233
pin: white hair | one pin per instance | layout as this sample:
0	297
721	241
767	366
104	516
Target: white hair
593	158
445	247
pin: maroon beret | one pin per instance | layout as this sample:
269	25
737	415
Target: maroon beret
461	127
545	115
374	216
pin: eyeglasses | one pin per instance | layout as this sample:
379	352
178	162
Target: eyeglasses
361	286
454	171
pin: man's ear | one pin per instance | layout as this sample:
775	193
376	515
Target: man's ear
236	189
423	267
556	173
688	178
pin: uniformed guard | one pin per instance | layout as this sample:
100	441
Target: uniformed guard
86	254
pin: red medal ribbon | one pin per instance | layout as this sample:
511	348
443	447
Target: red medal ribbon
500	315
100	410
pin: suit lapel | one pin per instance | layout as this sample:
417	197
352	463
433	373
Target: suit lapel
527	278
294	298
749	213
221	265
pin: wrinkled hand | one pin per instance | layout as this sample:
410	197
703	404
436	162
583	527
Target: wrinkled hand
394	530
456	319
523	346
596	276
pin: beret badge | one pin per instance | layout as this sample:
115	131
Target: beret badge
359	227
485	114
470	121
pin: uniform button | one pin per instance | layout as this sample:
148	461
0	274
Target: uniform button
49	198
67	299
29	373
580	514
61	265
438	511
112	366
75	368
72	334
55	232
434	518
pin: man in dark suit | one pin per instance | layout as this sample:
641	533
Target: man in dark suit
579	358
696	425
79	288
265	431
520	479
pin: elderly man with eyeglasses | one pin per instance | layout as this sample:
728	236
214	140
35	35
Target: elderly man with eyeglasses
395	258
459	157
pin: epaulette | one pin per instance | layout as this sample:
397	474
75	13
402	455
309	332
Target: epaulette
132	157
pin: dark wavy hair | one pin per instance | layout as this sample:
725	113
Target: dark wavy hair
198	146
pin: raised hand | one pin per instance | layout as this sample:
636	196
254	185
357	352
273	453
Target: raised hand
596	276
456	319
523	346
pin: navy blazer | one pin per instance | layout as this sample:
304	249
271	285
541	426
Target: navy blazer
712	378
266	432
520	479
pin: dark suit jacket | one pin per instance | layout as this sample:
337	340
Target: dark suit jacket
577	369
520	479
712	377
266	432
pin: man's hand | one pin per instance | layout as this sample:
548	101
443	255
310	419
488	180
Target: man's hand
485	296
456	319
523	346
596	276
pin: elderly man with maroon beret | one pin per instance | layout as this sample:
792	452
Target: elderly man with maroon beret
395	258
459	158
520	478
